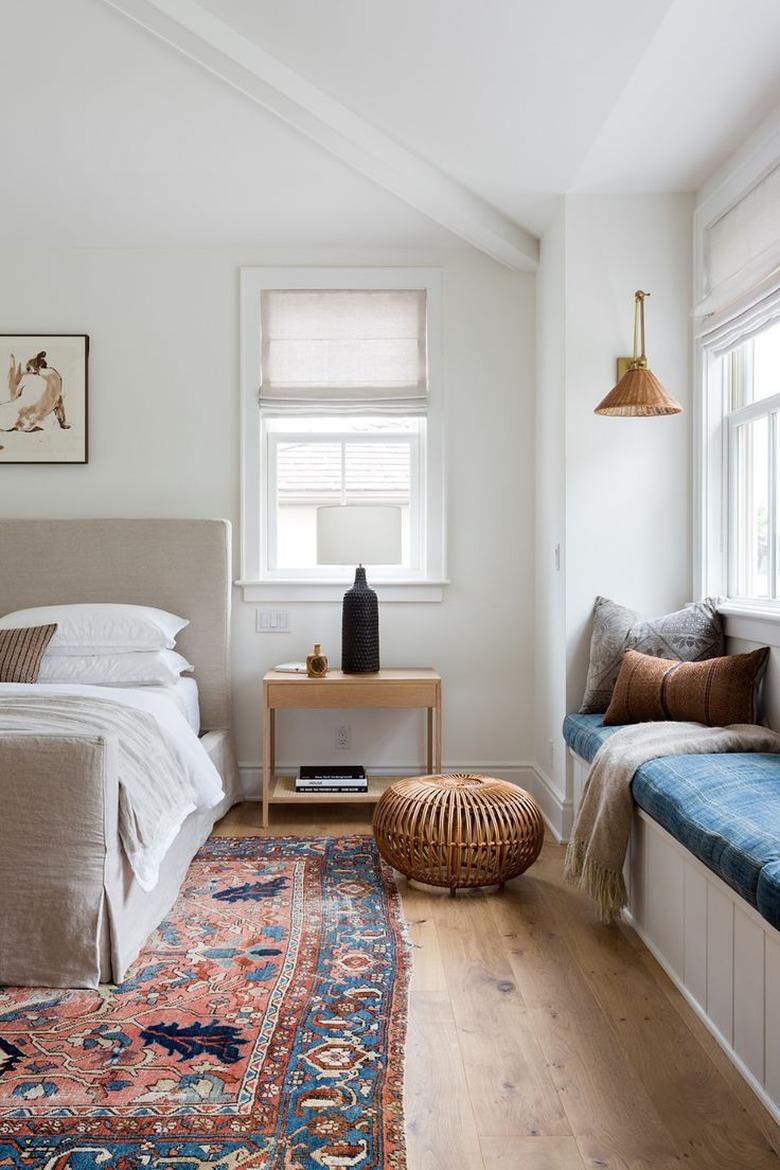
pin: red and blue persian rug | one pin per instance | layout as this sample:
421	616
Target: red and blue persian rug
262	1027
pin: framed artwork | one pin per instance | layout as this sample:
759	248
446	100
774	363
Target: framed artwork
43	397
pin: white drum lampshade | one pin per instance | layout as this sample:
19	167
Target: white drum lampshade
366	534
352	534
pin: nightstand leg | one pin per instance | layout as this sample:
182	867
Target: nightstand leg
429	756
273	743
266	762
438	730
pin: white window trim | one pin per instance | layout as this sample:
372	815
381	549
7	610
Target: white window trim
257	582
715	495
710	496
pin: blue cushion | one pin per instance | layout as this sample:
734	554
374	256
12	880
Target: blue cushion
768	894
585	734
724	808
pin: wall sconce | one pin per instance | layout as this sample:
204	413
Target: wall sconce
638	393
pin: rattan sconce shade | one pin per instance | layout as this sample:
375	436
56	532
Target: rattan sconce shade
638	394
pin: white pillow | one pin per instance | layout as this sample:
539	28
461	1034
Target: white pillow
148	668
101	628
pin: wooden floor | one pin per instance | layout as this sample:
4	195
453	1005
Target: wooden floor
540	1040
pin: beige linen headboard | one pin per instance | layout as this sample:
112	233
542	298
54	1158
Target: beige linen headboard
183	566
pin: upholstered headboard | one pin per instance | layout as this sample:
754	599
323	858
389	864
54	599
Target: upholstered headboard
180	565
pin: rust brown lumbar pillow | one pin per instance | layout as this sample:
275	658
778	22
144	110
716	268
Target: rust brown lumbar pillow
718	692
21	652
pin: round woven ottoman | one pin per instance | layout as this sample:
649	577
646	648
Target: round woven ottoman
459	830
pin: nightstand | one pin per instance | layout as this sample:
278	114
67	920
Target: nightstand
418	687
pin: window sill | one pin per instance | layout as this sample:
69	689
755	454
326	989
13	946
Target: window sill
752	621
296	589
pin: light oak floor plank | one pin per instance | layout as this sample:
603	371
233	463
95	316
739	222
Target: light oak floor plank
608	1066
686	1087
531	1153
610	1112
510	1083
441	1132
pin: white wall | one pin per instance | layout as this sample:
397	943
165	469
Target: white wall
614	492
550	441
627	480
164	441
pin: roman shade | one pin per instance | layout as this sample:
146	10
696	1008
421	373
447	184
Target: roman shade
343	351
740	258
747	233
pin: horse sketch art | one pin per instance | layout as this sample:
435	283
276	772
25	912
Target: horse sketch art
43	419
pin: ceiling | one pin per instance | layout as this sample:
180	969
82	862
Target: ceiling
119	139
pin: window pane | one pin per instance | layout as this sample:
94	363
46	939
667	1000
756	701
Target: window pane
766	363
753	508
307	474
377	473
311	473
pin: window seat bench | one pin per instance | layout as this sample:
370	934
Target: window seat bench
703	879
724	808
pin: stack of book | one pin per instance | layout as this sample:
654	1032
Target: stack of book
332	778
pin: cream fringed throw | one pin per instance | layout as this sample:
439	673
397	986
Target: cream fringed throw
597	850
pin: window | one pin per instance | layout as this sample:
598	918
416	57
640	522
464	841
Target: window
342	405
736	324
315	462
752	384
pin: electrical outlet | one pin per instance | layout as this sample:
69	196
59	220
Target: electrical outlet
272	621
343	736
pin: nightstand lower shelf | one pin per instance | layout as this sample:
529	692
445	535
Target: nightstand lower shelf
283	792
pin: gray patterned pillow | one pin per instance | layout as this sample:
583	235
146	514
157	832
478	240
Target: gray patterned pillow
689	635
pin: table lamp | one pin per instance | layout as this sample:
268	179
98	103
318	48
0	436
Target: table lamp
366	534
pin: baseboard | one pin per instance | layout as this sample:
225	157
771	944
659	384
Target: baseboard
520	773
556	810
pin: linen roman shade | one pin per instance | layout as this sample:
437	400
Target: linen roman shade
343	351
741	267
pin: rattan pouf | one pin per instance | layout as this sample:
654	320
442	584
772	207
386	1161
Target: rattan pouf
458	830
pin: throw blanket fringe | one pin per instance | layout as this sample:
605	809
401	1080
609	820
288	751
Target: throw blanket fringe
606	887
597	849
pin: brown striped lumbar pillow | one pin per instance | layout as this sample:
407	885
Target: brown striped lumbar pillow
718	692
21	651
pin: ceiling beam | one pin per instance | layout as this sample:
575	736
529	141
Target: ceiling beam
241	63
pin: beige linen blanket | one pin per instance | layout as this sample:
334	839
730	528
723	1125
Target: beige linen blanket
156	791
597	849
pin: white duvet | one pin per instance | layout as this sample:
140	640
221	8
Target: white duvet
165	773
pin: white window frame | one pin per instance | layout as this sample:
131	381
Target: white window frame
717	490
714	308
258	580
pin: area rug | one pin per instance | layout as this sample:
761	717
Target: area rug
263	1026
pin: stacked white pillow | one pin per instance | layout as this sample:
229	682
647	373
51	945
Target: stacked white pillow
107	645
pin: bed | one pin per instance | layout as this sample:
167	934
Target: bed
72	912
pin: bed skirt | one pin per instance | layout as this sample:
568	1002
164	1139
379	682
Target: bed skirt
72	913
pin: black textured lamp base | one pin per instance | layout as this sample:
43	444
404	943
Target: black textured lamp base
360	628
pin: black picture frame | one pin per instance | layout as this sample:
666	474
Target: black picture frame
54	428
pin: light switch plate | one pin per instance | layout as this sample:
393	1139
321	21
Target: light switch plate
272	621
